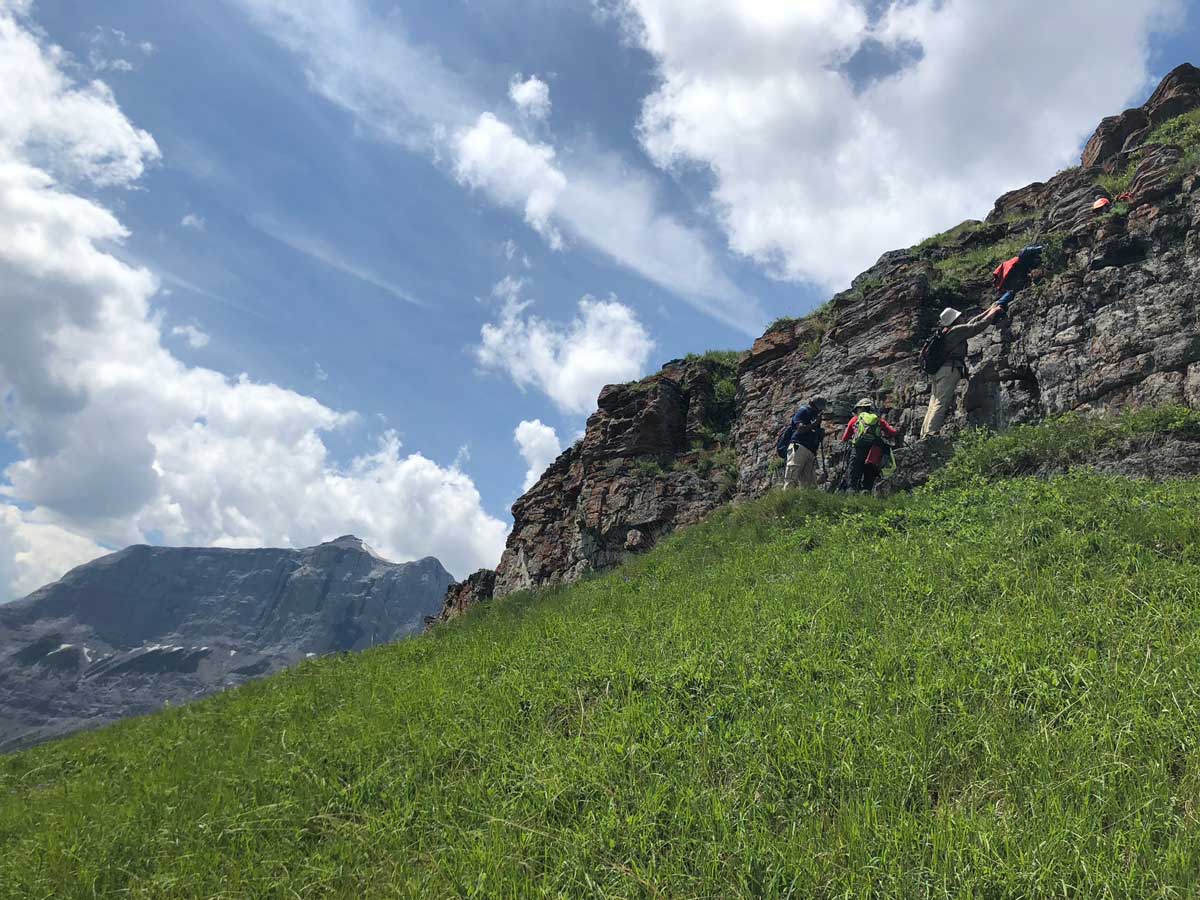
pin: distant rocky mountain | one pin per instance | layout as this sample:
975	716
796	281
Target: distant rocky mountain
149	626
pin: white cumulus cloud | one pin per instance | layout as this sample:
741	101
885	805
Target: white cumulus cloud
490	155
531	97
604	204
193	221
195	337
539	446
118	439
33	553
821	161
71	131
604	344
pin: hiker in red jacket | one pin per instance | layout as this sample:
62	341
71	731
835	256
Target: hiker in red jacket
868	430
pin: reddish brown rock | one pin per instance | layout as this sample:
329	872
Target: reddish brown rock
1111	137
462	595
653	458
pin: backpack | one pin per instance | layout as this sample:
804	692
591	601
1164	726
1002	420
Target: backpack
866	430
784	440
933	352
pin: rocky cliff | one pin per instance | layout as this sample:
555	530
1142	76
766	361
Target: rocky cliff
1109	322
148	626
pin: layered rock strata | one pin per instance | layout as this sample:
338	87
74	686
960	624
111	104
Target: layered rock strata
1110	322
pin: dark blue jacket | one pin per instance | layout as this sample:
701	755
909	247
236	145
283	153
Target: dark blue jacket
806	415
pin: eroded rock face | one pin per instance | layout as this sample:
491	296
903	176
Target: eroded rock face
654	457
127	633
1178	93
1109	322
462	595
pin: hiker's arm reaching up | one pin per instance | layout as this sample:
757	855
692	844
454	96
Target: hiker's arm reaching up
849	429
968	330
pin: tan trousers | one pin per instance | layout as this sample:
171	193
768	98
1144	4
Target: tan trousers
945	382
801	468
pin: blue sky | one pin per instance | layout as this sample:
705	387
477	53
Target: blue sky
244	144
344	197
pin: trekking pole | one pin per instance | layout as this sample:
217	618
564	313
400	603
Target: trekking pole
844	471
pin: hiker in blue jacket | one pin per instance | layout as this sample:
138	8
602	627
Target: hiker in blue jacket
806	439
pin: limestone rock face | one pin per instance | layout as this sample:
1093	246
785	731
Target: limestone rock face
1109	322
147	626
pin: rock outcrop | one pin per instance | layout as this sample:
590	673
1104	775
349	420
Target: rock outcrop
462	595
655	456
148	626
1110	322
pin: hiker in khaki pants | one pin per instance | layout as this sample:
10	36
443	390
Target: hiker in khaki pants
954	365
807	434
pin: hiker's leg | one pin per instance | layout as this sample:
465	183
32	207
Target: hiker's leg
857	460
791	474
944	383
806	467
869	476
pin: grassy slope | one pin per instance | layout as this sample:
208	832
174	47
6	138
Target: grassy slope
985	690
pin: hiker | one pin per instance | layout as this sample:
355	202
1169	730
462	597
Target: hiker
868	430
1014	275
945	358
803	443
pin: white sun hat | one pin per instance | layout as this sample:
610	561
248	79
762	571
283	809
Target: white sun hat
949	316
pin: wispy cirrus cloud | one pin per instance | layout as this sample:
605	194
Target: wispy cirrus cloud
323	253
406	93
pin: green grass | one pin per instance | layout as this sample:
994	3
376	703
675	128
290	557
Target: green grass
1182	131
955	273
982	690
977	264
783	323
726	359
1119	182
1059	443
1118	210
943	238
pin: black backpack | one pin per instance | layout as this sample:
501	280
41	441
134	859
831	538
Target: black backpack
933	352
784	440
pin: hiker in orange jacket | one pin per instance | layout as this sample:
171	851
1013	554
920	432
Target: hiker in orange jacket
868	430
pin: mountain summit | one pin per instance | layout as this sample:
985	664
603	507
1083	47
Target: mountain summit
132	631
